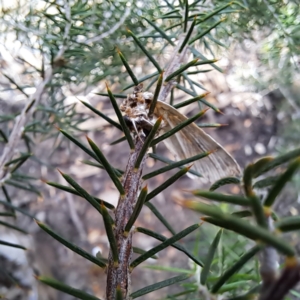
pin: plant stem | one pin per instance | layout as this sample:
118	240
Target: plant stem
120	275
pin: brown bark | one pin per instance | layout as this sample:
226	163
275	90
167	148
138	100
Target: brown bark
119	276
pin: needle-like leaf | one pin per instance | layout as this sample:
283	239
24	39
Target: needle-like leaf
140	80
19	161
160	31
281	182
232	199
203	33
186	15
120	117
4	243
147	142
178	127
213	13
176	165
122	96
121	139
240	226
235	268
142	47
160	217
164	245
190	101
99	113
71	246
182	69
16	208
288	224
159	285
126	65
137	209
170	162
82	192
13	227
110	234
156	94
279	160
175	245
75	192
107	166
58	285
225	181
209	257
4	137
167	183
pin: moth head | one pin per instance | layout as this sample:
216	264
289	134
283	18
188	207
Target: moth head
148	98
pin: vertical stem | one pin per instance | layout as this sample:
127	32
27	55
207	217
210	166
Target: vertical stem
119	276
268	264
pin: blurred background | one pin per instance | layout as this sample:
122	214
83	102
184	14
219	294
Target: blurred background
255	83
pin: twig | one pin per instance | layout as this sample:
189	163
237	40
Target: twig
268	259
120	275
289	277
174	63
33	102
100	37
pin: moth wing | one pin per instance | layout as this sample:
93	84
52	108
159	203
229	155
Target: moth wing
192	140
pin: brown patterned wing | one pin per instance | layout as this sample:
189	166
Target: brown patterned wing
192	140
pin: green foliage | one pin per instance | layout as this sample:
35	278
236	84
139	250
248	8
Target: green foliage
230	279
76	42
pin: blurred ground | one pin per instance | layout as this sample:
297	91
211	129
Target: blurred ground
251	131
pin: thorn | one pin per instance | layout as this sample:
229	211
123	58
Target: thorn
188	167
186	191
212	151
37	222
178	201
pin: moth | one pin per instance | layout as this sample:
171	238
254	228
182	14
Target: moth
189	141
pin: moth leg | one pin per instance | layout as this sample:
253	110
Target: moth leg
147	121
135	128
